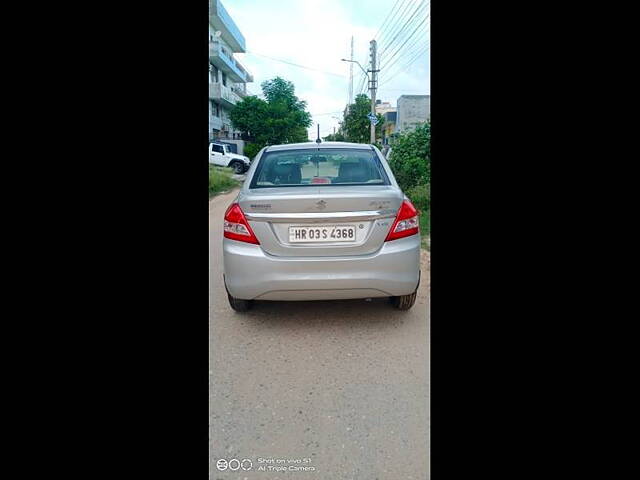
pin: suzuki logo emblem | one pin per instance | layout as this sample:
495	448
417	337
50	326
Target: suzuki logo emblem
321	204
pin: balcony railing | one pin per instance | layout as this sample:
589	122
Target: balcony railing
223	59
225	95
239	92
221	20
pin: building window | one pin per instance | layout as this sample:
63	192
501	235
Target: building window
224	79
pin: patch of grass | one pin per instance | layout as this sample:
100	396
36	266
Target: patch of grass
425	229
220	180
421	199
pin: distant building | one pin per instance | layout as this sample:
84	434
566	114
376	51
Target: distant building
227	77
388	127
388	113
384	107
412	110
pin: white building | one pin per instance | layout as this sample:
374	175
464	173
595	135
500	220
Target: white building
412	110
227	77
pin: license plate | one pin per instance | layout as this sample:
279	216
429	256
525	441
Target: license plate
322	234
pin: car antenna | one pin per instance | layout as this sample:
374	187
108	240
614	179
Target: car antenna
318	139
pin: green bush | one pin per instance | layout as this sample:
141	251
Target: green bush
420	196
251	150
411	164
220	180
411	157
425	228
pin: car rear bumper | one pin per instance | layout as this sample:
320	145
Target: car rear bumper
250	273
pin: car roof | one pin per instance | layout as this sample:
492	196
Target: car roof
296	146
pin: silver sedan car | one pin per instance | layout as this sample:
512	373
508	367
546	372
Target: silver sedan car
321	221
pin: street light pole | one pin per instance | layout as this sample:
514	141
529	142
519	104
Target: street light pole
372	86
372	83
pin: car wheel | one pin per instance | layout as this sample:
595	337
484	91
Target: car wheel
238	167
239	305
404	302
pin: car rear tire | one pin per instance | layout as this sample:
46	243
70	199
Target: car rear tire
238	167
404	302
239	305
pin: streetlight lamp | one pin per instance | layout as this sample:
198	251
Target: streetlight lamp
371	87
357	63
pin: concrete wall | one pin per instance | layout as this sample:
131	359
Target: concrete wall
412	110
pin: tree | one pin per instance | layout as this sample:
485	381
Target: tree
281	118
356	126
411	165
249	116
337	137
411	157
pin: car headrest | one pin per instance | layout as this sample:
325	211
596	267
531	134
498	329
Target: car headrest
352	172
280	169
287	172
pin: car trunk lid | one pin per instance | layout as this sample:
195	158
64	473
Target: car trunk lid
368	209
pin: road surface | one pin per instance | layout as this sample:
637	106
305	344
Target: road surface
316	390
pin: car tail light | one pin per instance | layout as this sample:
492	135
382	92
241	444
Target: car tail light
406	223
236	226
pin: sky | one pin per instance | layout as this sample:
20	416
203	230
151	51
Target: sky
317	34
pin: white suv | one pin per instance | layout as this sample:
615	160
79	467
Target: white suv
219	154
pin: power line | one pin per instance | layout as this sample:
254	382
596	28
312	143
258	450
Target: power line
402	90
409	52
410	23
386	18
416	45
409	49
397	20
362	83
423	33
297	65
405	42
392	28
406	65
404	22
401	33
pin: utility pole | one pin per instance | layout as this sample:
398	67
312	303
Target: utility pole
372	87
351	75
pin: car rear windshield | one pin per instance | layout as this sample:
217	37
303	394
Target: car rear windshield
317	167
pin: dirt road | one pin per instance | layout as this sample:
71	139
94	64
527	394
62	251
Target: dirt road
340	387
